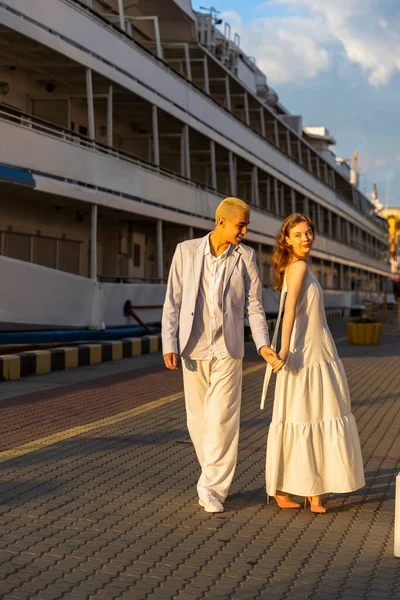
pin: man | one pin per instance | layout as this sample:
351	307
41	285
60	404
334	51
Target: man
213	283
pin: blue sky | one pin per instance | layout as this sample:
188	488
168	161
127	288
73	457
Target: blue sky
248	9
336	63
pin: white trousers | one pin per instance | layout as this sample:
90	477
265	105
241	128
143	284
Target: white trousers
213	391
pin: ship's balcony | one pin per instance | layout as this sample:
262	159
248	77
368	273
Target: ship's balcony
71	165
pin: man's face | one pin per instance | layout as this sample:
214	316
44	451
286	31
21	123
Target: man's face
235	228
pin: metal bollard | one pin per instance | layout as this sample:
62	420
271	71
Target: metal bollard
397	519
398	316
384	307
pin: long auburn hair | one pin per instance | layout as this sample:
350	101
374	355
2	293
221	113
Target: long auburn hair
283	253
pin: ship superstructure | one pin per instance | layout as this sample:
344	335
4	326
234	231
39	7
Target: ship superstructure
122	125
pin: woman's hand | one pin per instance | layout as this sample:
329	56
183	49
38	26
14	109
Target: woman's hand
271	357
283	354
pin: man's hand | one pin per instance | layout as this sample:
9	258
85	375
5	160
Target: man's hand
271	357
171	361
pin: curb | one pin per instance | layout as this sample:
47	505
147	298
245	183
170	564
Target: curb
40	362
15	366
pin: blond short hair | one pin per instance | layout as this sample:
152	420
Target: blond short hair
229	207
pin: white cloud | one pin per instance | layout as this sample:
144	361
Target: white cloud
369	162
282	47
366	32
380	162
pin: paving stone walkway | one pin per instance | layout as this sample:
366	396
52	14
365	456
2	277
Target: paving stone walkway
111	512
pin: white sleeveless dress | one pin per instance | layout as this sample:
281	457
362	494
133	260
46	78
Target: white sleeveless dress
313	444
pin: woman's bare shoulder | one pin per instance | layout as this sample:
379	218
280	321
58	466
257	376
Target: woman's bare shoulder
296	269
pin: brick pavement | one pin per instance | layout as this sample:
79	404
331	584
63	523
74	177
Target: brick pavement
112	513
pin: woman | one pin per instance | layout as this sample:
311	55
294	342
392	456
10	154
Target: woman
313	445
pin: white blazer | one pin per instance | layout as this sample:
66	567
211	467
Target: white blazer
242	297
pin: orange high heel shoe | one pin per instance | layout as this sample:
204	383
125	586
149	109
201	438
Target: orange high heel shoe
284	504
315	508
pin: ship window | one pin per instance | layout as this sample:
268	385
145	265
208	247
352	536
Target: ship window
46	252
18	246
69	256
83	130
136	255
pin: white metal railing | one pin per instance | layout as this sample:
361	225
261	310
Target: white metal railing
129	280
56	253
128	20
31	122
10	114
55	131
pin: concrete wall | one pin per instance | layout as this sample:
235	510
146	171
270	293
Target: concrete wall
45	297
115	295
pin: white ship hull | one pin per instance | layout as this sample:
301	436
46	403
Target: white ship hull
116	145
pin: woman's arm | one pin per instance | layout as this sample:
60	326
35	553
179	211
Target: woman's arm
295	276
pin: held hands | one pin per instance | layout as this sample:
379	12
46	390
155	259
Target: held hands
283	354
271	357
171	361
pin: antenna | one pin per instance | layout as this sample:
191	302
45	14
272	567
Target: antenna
387	191
210	10
213	14
355	161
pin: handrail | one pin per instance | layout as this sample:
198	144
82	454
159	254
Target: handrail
54	130
130	280
44	236
29	121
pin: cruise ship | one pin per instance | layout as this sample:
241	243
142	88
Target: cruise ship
123	123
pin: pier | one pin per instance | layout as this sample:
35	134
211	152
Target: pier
98	497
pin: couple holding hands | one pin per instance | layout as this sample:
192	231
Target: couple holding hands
313	445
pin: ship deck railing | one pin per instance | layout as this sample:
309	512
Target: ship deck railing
11	114
14	115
